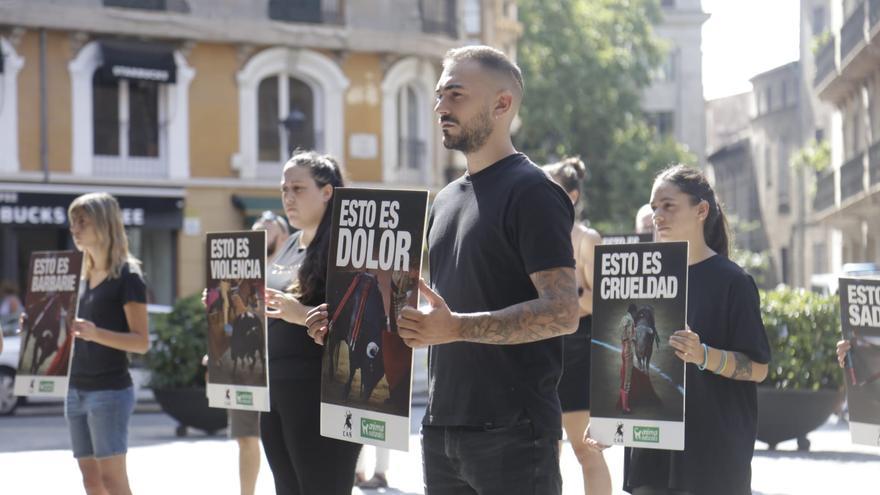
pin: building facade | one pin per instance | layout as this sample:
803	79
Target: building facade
186	109
847	195
674	101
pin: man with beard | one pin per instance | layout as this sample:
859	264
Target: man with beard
504	287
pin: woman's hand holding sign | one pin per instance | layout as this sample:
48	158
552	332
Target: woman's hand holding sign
430	326
318	323
687	346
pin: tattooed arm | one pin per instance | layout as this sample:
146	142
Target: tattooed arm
740	367
737	366
553	313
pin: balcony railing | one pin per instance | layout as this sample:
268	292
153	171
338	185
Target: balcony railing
853	31
852	174
307	11
874	163
873	14
824	198
825	63
130	167
439	17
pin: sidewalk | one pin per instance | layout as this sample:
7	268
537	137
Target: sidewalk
199	464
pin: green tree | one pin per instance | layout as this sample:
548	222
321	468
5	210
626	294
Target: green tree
585	63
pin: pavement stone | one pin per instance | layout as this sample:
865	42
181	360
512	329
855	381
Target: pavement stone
34	459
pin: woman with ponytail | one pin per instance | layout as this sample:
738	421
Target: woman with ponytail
574	386
302	461
724	345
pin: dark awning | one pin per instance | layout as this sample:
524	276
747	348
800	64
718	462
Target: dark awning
254	206
37	209
139	61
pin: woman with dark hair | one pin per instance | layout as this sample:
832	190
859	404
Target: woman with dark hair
724	344
302	461
574	386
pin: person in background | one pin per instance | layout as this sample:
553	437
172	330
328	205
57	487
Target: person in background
244	426
10	305
644	220
379	479
574	387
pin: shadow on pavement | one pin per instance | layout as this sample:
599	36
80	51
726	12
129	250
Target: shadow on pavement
818	455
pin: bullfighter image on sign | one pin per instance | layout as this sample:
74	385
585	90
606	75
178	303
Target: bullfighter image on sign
235	302
860	323
375	260
50	309
637	387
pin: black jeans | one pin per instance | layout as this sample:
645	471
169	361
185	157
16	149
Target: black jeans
502	461
302	461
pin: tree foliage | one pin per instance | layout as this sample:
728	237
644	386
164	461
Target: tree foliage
585	63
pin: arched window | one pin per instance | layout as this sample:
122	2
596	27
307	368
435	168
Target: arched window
286	117
411	150
408	129
286	99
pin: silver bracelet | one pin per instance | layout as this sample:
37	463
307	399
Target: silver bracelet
702	367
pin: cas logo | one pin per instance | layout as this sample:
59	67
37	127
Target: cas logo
346	427
618	434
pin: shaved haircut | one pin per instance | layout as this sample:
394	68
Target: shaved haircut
491	59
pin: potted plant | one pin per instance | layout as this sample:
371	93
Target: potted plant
804	384
177	376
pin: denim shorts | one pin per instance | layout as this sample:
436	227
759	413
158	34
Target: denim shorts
98	421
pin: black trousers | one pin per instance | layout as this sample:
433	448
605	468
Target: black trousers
499	461
302	461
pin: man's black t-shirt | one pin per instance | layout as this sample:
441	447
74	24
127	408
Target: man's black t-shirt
486	233
96	366
721	414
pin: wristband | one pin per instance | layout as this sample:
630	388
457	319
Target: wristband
702	366
723	363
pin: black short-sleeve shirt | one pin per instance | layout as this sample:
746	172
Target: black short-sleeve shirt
96	366
721	414
487	232
292	353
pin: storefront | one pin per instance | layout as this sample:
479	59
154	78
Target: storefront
33	217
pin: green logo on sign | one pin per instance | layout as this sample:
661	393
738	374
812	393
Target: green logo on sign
244	398
371	428
47	386
646	434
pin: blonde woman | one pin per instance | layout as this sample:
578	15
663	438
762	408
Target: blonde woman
111	321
